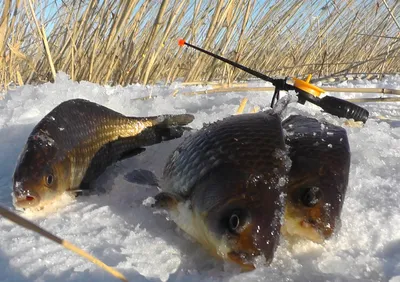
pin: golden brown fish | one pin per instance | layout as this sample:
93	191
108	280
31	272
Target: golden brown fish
224	186
318	177
74	143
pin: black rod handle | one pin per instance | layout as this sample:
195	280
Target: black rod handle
343	108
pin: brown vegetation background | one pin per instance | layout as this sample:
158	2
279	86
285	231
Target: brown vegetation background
124	42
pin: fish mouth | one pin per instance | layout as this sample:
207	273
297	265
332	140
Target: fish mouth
28	199
245	251
306	229
301	223
243	259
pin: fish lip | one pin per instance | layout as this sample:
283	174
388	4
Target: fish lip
26	199
299	227
319	231
244	259
305	226
324	230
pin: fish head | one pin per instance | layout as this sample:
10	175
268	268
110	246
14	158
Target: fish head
240	214
318	178
231	175
315	199
40	174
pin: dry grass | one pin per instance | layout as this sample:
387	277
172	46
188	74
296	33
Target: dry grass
124	42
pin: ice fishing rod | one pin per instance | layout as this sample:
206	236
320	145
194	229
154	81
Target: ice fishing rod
304	89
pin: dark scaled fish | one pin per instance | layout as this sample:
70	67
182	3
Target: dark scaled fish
223	186
74	143
318	177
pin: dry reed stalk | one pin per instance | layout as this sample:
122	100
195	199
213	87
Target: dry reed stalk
132	33
255	109
198	64
4	19
262	89
3	41
241	106
363	90
383	36
42	34
67	245
214	84
225	90
241	40
151	38
46	46
374	100
19	79
197	20
150	63
123	42
391	12
228	36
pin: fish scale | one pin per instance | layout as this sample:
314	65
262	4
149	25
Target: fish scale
320	155
78	139
237	184
223	186
241	140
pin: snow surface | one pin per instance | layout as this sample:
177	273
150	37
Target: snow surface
119	229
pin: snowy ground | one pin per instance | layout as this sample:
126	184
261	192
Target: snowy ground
117	228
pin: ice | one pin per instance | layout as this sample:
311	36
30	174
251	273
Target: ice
120	228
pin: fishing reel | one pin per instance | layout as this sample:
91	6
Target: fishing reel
304	89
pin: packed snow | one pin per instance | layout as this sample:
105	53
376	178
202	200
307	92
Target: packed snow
119	227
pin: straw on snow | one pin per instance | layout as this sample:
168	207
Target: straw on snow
31	226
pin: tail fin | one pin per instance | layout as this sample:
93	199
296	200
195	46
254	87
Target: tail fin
160	128
169	133
171	120
168	127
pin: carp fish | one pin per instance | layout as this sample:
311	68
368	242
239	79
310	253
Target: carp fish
318	178
236	185
74	143
224	185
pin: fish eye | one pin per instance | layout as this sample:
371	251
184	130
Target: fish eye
234	222
311	196
49	179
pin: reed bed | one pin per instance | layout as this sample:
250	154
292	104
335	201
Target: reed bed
125	42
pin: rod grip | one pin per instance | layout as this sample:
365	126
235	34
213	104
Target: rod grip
343	108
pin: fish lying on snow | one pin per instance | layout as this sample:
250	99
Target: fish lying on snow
74	143
318	178
224	186
233	188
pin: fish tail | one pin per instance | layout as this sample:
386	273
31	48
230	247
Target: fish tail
170	127
171	120
160	128
169	133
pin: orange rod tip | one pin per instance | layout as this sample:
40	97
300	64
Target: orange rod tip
181	42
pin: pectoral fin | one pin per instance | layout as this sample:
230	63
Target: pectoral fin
165	200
